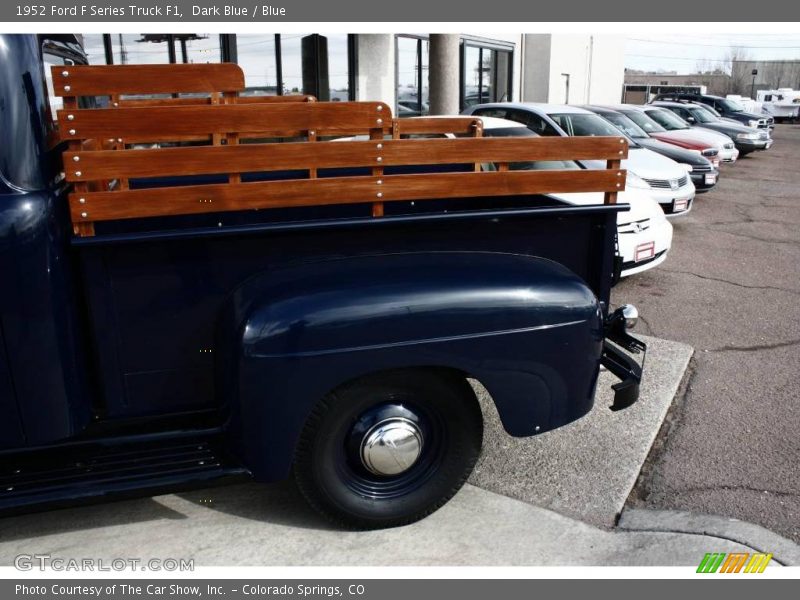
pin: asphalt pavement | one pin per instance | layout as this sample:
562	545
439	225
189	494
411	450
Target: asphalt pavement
731	289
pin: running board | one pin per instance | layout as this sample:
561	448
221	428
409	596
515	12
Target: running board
104	469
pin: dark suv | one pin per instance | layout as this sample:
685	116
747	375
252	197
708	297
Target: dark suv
730	109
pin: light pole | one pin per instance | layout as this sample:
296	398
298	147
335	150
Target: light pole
566	84
753	87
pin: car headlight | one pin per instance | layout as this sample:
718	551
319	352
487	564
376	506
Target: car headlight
747	136
687	167
753	123
634	181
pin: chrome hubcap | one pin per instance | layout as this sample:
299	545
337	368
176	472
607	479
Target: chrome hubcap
391	446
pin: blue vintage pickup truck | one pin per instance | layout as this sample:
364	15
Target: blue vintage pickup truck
199	288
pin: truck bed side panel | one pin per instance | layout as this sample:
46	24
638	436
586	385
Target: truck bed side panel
155	305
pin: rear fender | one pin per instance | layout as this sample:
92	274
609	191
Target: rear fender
527	328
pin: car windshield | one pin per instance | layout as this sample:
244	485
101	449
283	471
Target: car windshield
731	105
645	122
544	165
584	125
625	125
505	132
667	119
701	115
529	165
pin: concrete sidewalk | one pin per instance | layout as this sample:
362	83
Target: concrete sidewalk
266	525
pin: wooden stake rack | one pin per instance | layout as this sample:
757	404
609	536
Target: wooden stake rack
204	126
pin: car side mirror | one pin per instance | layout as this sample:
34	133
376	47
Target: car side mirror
690	120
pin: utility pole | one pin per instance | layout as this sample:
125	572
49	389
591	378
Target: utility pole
753	87
566	85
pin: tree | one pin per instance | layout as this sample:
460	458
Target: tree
739	65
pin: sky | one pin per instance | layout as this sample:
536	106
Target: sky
681	53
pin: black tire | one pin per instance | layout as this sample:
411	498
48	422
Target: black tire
341	488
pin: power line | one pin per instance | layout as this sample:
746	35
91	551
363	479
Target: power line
711	45
722	60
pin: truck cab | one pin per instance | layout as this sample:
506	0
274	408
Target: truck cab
188	302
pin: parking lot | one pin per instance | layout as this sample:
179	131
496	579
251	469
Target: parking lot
730	289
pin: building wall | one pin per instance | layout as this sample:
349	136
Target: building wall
714	84
595	64
608	69
536	74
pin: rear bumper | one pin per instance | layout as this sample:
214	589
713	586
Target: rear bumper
620	363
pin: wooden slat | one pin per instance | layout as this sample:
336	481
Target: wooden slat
101	206
111	164
205	100
610	197
105	80
432	125
162	123
291	98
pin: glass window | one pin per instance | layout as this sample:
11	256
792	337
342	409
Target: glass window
94	48
424	56
534	122
472	76
412	77
486	75
731	105
272	64
198	48
625	125
499	113
136	49
584	125
292	60
256	57
645	122
296	64
667	119
156	48
338	67
502	76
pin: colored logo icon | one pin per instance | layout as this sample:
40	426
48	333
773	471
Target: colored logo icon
736	562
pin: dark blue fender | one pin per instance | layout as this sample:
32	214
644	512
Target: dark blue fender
527	328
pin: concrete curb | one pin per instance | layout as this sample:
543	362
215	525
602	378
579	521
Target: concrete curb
784	551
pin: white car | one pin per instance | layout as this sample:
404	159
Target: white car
643	232
664	180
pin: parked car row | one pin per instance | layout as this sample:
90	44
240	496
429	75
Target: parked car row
676	148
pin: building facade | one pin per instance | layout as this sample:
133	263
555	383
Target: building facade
416	74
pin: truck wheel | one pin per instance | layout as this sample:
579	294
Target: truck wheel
390	449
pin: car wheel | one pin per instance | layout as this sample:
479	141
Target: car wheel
390	449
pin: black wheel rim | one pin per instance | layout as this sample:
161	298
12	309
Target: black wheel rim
359	479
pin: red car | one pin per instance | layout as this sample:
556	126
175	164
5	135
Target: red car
715	147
